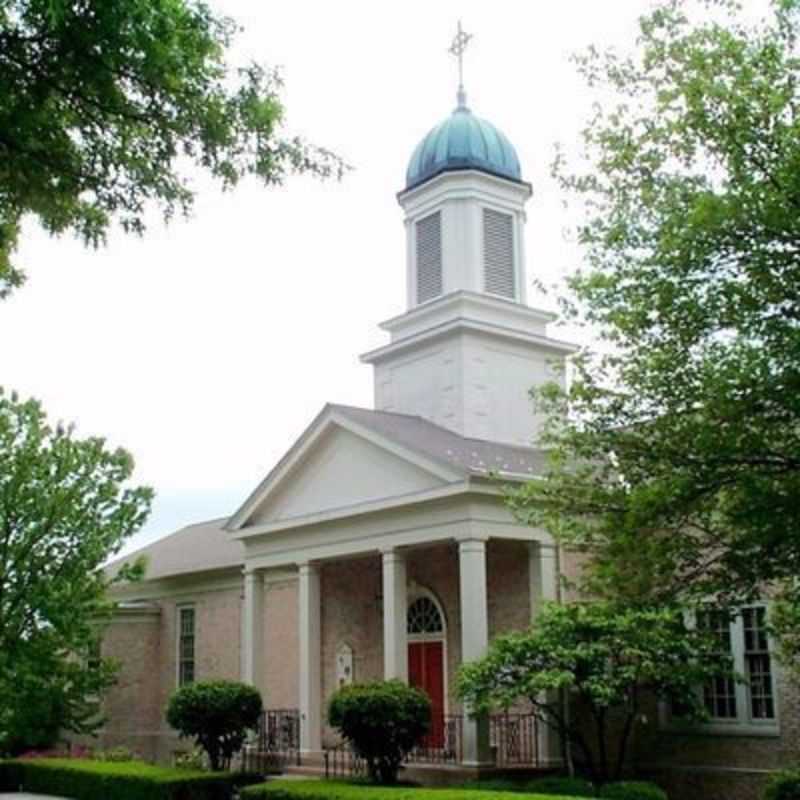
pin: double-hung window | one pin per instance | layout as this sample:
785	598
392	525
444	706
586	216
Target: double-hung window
186	641
748	703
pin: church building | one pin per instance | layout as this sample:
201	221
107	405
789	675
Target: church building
380	545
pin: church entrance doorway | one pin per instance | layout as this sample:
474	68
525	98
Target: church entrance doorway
426	660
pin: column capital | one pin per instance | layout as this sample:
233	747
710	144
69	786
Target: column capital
253	573
392	552
307	567
473	544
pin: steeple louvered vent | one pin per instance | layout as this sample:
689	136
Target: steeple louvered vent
498	253
429	257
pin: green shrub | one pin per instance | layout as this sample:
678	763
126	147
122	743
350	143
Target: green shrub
632	790
115	754
555	786
81	779
784	785
561	786
195	759
382	721
218	715
10	776
341	790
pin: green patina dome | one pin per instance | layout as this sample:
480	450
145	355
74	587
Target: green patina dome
463	141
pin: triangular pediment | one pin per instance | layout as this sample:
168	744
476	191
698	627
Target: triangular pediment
335	466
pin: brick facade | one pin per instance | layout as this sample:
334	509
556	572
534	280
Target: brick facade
711	765
145	645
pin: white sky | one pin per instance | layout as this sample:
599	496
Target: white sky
207	347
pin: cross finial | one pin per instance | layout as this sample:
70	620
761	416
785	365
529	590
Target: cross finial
457	48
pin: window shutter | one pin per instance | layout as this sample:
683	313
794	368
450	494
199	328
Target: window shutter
429	257
498	253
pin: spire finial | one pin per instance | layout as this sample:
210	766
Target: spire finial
457	48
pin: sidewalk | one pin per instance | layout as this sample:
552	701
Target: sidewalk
26	796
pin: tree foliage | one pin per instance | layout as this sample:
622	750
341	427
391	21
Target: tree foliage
104	103
218	714
51	693
608	660
65	509
676	450
383	721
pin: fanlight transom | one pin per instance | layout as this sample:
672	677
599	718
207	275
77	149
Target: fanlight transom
424	617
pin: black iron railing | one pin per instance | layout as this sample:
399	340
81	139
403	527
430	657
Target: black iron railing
443	744
514	739
276	744
342	761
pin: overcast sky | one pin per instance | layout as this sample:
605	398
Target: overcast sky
208	346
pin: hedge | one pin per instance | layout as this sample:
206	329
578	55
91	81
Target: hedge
784	785
10	776
342	790
632	790
81	779
554	785
576	787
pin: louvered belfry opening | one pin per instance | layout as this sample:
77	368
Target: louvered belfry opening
429	257
498	253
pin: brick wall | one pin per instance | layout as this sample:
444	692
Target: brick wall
352	605
146	647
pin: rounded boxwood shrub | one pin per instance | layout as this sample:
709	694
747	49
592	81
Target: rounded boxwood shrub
633	790
218	715
383	721
784	785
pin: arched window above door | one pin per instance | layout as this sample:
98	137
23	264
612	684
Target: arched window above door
424	617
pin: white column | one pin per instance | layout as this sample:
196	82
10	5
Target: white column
253	630
395	605
474	638
543	569
310	659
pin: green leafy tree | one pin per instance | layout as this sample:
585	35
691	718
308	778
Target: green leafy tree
65	509
51	692
218	715
608	660
383	721
676	449
105	103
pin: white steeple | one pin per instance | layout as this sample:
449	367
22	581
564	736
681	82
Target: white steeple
467	351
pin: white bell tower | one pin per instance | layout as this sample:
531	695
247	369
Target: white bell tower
468	350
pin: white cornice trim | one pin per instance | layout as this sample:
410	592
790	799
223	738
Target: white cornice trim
459	181
456	529
373	507
464	324
202	582
417	314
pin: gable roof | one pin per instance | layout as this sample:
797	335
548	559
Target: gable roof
208	545
467	456
199	547
432	446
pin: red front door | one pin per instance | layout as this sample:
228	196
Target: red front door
426	672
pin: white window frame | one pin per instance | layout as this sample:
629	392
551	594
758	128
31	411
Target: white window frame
744	724
178	640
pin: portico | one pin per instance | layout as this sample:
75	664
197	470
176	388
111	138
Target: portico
355	589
